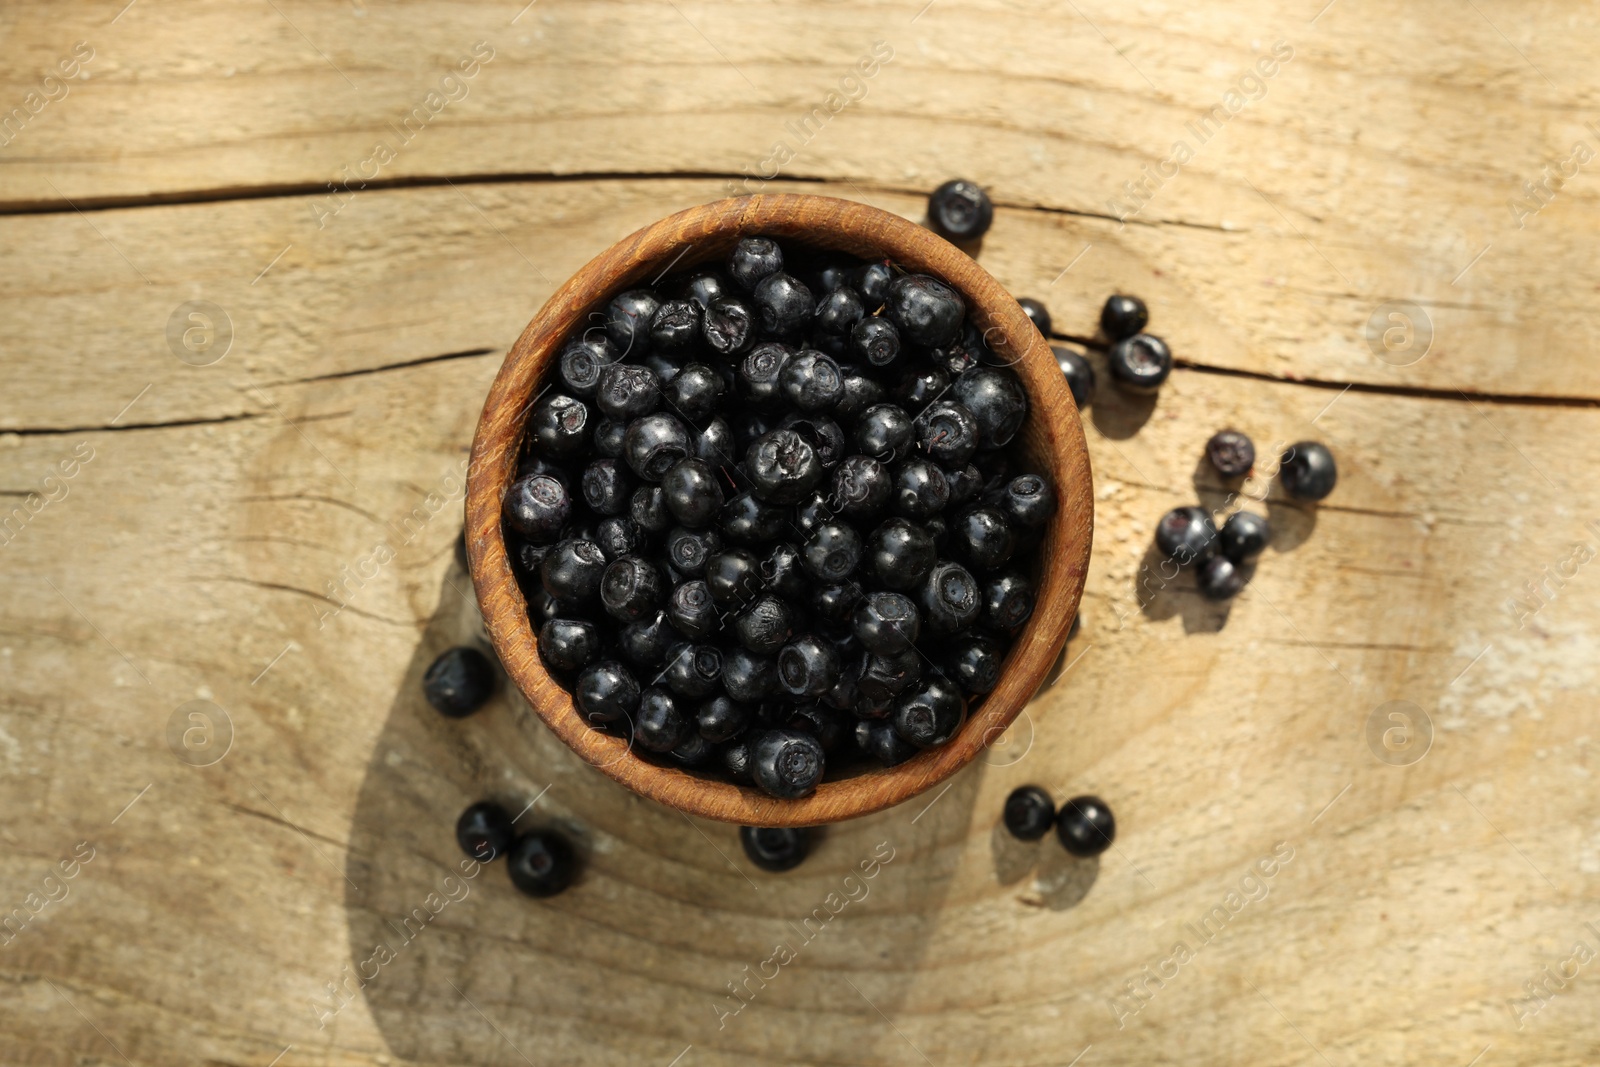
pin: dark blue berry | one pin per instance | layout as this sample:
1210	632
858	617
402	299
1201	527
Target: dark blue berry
628	319
704	287
951	598
571	572
775	848
965	483
983	537
648	510
1123	316
609	435
1029	813
996	399
918	387
931	714
885	677
761	369
1231	453
873	281
737	758
659	724
675	327
974	663
1037	313
716	446
693	670
860	393
1220	578
765	626
1308	471
692	493
484	831
1244	536
861	487
694	393
811	381
875	341
1076	369
748	677
839	312
689	550
783	467
568	644
1007	602
807	666
886	623
644	642
878	739
948	433
884	432
541	863
784	573
693	750
821	433
560	426
537	507
733	577
619	536
630	589
899	554
583	359
607	487
927	311
832	552
784	307
748	521
1085	826
692	611
628	391
787	763
1027	501
459	682
753	259
728	326
1187	535
960	211
721	718
832	604
606	693
921	490
654	444
1140	363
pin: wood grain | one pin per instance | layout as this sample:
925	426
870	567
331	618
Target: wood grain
1050	441
192	556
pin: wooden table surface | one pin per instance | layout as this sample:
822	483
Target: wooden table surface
364	203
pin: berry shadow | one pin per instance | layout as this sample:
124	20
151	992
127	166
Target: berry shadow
1164	590
665	911
1117	412
1292	521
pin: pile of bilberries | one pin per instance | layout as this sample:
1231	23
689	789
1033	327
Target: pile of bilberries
768	517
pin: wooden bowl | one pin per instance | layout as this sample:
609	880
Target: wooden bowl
1052	440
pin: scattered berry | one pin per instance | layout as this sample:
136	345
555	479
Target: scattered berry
1085	826
459	682
960	211
484	831
1076	369
1231	452
774	848
1123	316
1308	471
1141	362
1244	536
1029	813
1037	313
1187	535
540	863
1220	578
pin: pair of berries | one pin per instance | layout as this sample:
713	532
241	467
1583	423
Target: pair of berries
1084	825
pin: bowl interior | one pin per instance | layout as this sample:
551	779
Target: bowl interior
1051	443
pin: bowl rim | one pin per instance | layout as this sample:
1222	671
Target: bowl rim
1053	430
